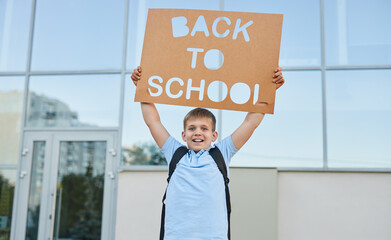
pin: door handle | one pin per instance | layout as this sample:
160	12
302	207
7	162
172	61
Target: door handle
23	174
111	175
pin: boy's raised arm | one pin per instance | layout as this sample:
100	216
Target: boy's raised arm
152	119
151	115
241	135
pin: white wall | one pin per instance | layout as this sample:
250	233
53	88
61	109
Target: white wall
254	204
334	206
139	205
310	205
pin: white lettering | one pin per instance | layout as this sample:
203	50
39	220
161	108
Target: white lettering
168	86
214	91
240	93
243	29
179	28
217	91
191	88
200	26
214	27
155	85
194	58
256	93
213	59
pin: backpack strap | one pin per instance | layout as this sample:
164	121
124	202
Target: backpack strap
219	159
178	154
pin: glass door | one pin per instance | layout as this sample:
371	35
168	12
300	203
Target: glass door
66	187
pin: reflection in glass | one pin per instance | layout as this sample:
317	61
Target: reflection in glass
78	35
138	17
357	32
74	101
292	137
34	202
13	44
300	41
358	118
79	198
7	187
145	153
11	105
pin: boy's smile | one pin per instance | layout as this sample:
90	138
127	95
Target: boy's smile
199	133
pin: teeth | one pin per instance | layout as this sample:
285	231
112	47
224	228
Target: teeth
197	140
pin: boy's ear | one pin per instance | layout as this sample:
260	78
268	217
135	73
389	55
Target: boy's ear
183	136
214	136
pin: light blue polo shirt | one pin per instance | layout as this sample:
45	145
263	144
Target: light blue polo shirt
195	201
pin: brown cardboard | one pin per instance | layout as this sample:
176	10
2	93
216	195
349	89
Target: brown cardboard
250	62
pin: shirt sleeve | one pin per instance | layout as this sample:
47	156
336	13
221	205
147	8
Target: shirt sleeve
169	148
227	148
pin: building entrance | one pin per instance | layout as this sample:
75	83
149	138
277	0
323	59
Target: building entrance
66	186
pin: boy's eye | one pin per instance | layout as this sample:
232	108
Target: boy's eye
204	129
191	129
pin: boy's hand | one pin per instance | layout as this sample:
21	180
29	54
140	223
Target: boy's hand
136	75
278	78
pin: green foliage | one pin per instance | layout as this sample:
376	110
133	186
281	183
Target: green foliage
6	202
81	206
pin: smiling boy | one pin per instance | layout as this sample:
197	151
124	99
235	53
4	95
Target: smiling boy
195	198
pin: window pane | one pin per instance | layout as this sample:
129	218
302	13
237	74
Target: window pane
11	105
74	101
138	146
80	181
292	137
35	194
78	35
14	44
357	32
358	118
7	187
300	43
138	18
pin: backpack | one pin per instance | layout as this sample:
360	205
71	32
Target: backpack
219	159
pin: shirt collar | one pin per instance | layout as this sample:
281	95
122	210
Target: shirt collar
201	151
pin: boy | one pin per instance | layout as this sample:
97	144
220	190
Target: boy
195	201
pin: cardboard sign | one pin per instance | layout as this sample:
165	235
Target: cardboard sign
211	59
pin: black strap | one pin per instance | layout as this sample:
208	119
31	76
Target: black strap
219	159
178	154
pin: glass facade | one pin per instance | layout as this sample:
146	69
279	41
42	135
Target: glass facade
292	137
300	43
11	107
35	194
357	32
95	40
68	67
358	117
302	132
14	44
68	101
74	35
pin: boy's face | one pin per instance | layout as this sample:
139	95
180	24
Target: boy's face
199	133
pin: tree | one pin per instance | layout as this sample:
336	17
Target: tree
146	153
6	202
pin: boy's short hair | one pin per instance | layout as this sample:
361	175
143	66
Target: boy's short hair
200	113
